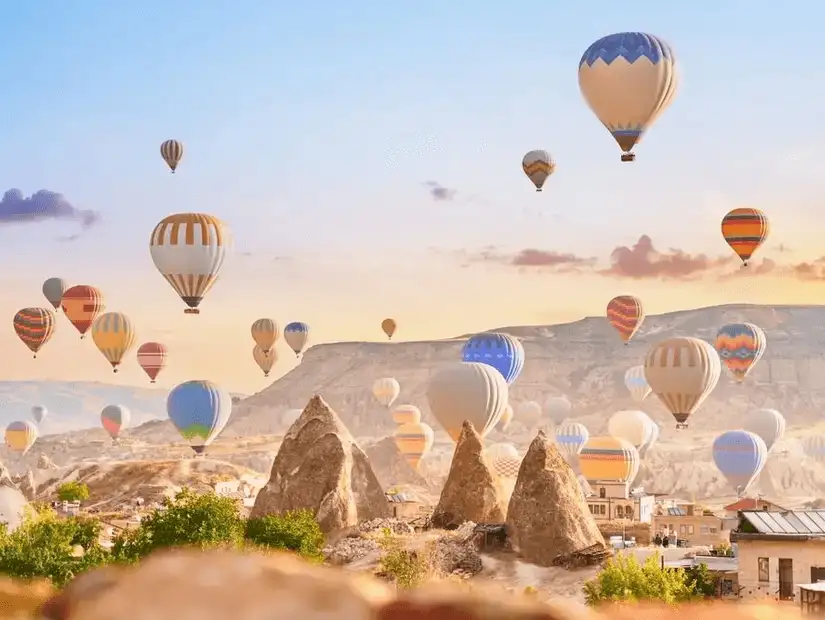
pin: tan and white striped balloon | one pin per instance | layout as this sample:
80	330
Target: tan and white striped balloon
172	153
413	440
636	384
406	414
386	390
264	359
682	372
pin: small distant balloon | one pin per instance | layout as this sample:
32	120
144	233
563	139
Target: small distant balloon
538	166
636	384
39	413
265	333
114	335
745	229
151	356
53	290
386	390
172	152
200	411
413	440
558	408
740	456
388	326
626	315
296	335
406	414
264	359
114	418
82	304
740	347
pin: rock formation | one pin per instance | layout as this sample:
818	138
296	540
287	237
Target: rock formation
471	492
321	468
548	521
44	462
390	466
26	484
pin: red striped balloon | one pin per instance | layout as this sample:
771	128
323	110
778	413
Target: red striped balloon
34	326
152	358
626	315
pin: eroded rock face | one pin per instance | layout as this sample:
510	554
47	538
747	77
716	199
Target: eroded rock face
27	485
548	521
472	492
320	467
390	467
44	462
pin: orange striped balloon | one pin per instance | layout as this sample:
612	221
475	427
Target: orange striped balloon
626	315
744	230
34	326
82	304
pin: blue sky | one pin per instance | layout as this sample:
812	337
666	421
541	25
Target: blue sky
312	127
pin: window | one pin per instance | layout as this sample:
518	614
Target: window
601	509
704	529
620	512
602	493
671	528
628	512
683	529
713	530
764	566
690	529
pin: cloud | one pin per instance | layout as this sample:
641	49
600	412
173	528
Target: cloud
41	206
810	271
644	261
439	193
540	258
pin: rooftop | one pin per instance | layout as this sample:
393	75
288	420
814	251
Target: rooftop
787	525
750	503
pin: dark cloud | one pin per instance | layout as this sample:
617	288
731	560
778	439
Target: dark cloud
439	193
41	206
540	258
644	261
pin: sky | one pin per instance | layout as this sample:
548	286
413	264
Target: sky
314	130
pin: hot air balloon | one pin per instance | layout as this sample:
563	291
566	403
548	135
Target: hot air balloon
199	410
570	438
634	426
53	290
740	346
529	412
39	413
290	416
506	418
114	419
467	391
501	351
769	424
34	327
114	335
406	414
626	315
152	358
628	79
386	390
654	437
504	459
682	372
558	408
388	326
414	440
740	457
172	152
538	166
814	447
609	458
296	335
82	304
265	333
188	249
636	384
744	230
264	359
20	436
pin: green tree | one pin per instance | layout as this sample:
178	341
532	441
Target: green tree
187	520
291	531
624	579
73	491
700	580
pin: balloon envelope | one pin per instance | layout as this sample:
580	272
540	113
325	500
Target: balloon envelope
296	335
506	418
636	384
265	332
538	166
35	327
171	151
53	290
21	435
388	326
199	410
264	359
609	458
406	414
151	356
386	390
626	315
503	352
114	335
634	426
114	419
769	424
745	229
739	457
39	413
571	438
740	346
528	412
413	440
82	304
558	408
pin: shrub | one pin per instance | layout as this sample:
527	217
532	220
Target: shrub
407	568
73	491
296	531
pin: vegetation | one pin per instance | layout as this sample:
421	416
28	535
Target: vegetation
73	491
624	579
48	546
407	568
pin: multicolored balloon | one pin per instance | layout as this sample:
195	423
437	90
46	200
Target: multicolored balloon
296	335
413	440
609	458
538	166
503	352
682	372
34	327
114	335
739	457
21	435
264	359
406	414
626	315
386	390
265	333
636	384
200	411
114	418
189	249
769	424
39	413
82	304
628	79
151	356
571	438
53	290
745	229
172	152
504	460
389	326
740	347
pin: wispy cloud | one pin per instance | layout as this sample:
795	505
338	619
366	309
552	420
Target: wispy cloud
44	205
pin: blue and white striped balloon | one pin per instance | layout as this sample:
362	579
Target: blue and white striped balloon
503	352
740	456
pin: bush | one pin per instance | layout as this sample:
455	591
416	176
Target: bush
73	491
407	568
296	531
188	520
624	579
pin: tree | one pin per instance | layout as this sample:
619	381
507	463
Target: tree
624	579
296	531
73	491
188	520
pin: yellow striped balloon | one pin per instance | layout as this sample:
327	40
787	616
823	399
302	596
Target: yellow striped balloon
264	359
406	414
609	459
114	335
265	333
413	440
20	436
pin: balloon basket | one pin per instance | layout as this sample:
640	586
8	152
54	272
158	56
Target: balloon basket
681	426
191	311
628	157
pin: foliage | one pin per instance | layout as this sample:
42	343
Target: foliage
44	546
292	531
188	520
700	581
407	568
624	579
724	550
73	491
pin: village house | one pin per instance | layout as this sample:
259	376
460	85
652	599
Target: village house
611	500
779	551
405	505
725	572
750	503
690	522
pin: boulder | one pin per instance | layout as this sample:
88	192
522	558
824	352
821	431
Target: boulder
320	467
548	521
389	465
471	492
